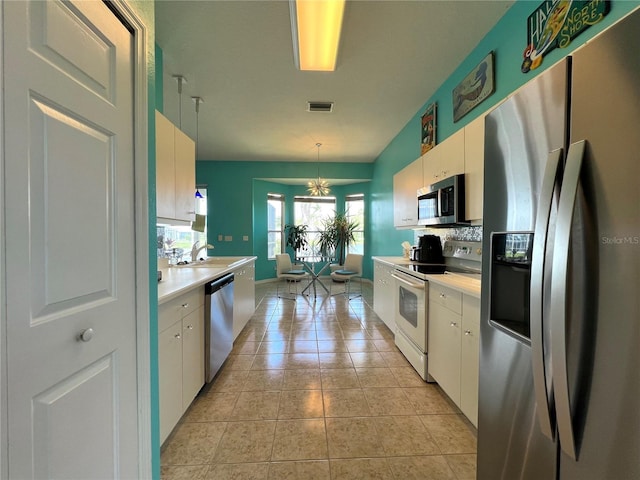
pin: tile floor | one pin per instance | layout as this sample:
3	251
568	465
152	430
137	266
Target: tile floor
318	391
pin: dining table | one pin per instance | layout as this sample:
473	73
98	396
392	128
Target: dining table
309	263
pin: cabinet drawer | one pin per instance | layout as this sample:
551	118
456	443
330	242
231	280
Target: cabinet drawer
179	307
445	296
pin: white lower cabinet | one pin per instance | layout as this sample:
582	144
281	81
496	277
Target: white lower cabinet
384	293
192	356
244	296
469	357
444	349
453	345
170	376
180	356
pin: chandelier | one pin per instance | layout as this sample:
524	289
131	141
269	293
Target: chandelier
318	187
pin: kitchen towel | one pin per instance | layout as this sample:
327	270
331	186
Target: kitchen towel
198	225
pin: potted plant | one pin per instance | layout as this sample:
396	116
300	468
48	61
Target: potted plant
338	234
296	236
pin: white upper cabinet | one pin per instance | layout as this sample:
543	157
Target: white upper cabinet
444	160
405	194
175	172
474	168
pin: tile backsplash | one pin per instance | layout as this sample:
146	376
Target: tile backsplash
467	234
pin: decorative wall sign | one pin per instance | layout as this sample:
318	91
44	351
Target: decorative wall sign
428	129
474	88
555	23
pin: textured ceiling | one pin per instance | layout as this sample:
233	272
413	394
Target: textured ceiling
237	56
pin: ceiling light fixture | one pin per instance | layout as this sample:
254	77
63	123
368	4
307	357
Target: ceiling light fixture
318	187
315	28
181	81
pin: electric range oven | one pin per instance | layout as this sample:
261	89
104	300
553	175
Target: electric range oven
412	299
412	296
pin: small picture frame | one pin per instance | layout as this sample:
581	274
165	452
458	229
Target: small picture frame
474	88
428	129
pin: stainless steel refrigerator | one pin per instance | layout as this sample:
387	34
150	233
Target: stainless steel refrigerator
560	330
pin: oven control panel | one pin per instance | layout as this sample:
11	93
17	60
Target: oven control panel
463	250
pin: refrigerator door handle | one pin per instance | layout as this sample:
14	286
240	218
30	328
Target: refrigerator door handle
544	398
559	285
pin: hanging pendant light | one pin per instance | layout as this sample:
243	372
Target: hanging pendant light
318	187
197	101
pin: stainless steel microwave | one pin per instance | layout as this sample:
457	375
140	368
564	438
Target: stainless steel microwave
442	203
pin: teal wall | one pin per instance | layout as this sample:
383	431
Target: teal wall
508	41
237	200
159	97
266	268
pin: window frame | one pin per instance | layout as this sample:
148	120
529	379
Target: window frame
361	227
313	236
279	197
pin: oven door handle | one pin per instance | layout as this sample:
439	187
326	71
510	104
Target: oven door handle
419	286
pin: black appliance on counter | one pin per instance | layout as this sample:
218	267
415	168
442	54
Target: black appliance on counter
430	249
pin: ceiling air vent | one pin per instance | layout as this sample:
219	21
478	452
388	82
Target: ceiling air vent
320	107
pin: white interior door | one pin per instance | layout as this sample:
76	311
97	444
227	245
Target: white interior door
70	243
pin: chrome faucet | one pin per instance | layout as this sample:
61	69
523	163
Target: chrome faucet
195	250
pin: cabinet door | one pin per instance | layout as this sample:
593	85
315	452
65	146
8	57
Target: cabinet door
244	297
444	160
443	358
389	296
431	166
192	356
474	169
452	155
378	288
469	358
165	183
383	294
185	176
170	378
405	197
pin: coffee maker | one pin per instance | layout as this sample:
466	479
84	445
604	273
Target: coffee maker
430	249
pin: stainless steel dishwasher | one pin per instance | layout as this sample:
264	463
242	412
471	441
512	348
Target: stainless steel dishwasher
218	339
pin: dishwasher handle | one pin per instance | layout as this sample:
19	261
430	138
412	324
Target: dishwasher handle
219	283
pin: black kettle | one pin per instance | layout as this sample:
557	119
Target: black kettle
430	249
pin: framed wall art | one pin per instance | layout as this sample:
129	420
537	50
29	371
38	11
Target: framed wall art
428	129
474	88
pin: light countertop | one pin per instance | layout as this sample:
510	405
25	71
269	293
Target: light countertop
467	285
177	280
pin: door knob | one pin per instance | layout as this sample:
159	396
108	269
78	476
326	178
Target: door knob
86	335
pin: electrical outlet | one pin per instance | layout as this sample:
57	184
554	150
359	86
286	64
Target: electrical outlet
245	238
219	238
228	238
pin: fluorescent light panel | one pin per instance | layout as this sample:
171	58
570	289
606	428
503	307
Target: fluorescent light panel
316	27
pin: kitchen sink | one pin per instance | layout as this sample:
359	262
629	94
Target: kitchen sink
214	262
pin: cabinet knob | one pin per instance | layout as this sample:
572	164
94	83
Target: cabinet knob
453	324
86	335
185	305
467	332
442	295
189	327
177	336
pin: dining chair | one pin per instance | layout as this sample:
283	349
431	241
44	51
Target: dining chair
290	274
351	269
